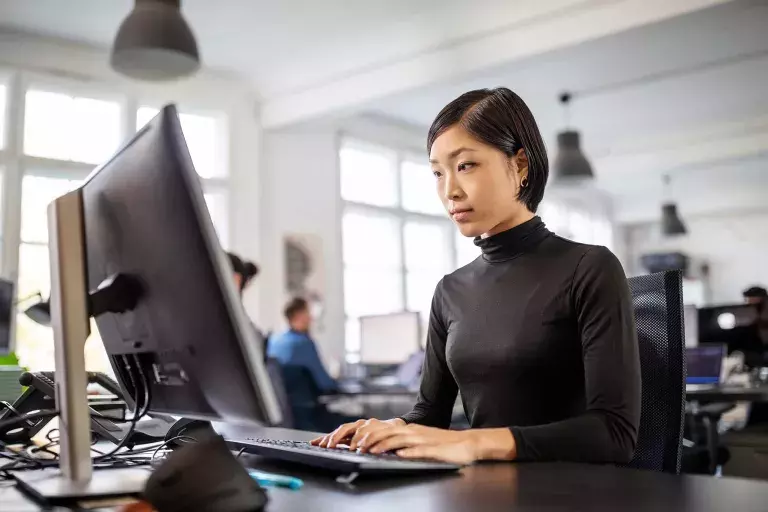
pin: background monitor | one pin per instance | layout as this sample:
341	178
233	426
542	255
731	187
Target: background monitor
704	364
389	339
691	323
735	325
145	217
6	312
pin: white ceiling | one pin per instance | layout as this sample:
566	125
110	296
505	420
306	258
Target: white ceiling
725	92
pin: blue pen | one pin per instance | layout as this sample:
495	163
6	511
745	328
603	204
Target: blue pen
272	480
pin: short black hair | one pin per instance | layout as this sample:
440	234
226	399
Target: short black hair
235	262
500	118
755	292
247	269
295	305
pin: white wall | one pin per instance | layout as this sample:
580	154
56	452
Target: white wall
301	194
735	245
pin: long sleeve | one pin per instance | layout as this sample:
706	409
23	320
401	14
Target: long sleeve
438	390
306	355
607	430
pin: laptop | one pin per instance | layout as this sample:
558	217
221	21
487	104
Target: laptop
704	366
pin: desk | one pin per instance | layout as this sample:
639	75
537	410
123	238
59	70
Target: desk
393	391
372	402
502	487
727	393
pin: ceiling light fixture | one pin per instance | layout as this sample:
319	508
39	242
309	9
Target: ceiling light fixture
154	43
570	163
671	223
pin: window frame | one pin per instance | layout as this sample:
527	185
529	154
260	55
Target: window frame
397	212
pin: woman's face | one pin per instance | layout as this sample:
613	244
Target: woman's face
477	183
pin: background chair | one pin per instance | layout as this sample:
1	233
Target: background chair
657	300
278	383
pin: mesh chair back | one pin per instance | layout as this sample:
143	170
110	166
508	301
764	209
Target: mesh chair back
657	300
275	372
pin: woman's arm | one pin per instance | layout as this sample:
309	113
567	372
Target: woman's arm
607	431
438	390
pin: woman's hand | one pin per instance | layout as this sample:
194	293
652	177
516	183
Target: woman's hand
461	447
351	433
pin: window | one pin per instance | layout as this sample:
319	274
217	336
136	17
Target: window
397	241
218	208
63	127
3	101
419	192
428	257
368	176
577	224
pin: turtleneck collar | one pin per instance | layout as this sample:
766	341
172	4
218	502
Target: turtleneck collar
513	242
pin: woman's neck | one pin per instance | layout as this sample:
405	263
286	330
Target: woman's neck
524	215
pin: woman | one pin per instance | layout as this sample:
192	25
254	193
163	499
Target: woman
537	334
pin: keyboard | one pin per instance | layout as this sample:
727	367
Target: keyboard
337	459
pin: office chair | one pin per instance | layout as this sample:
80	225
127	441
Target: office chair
275	372
657	300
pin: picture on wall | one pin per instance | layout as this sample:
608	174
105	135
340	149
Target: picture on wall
304	276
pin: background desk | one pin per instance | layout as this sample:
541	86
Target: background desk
729	394
502	487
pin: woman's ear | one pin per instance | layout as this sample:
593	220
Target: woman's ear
521	159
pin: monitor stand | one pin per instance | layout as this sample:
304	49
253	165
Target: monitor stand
74	480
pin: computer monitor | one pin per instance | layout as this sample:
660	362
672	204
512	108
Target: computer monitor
138	234
389	339
691	324
704	364
6	310
735	325
145	216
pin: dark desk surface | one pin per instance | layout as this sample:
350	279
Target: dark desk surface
729	394
502	486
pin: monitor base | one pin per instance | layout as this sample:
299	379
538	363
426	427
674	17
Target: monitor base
51	487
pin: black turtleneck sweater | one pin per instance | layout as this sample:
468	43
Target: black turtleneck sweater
537	334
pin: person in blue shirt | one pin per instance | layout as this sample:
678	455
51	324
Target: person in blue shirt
297	349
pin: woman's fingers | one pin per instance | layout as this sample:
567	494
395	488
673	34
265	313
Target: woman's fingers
343	432
369	427
373	438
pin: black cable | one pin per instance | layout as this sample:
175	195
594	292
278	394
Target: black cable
49	413
138	414
147	384
169	441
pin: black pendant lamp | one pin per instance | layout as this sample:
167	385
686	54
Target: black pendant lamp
671	223
154	43
570	163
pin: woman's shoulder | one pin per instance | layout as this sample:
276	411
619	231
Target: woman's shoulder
582	253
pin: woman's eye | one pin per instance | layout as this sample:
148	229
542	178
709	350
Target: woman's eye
437	174
465	166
